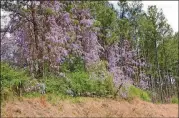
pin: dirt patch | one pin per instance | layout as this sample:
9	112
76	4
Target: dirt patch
90	107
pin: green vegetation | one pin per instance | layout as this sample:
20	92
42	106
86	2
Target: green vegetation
136	92
79	82
85	48
11	80
82	84
174	100
56	87
49	11
73	64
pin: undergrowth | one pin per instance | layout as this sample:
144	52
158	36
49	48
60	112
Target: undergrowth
79	82
174	100
11	80
136	92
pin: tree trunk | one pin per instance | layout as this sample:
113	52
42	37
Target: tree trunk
38	72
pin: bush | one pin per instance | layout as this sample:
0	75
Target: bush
12	80
73	64
136	92
103	79
76	81
49	11
81	84
55	84
174	100
97	80
78	84
6	94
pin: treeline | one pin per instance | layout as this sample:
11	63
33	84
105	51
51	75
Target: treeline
138	48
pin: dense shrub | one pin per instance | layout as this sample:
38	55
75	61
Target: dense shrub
174	100
12	80
56	84
82	84
96	82
72	64
136	92
6	94
78	84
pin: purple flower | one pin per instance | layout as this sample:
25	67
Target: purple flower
66	18
67	38
86	22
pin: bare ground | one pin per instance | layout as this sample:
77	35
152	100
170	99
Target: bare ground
88	107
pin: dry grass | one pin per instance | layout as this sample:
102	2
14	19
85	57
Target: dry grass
88	107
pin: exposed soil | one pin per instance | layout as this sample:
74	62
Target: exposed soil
89	107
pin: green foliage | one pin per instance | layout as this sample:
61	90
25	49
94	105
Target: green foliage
69	7
98	67
9	73
97	23
100	74
48	11
136	92
174	100
6	94
76	22
32	95
81	84
72	64
171	54
11	78
55	84
152	36
77	80
109	85
124	28
106	18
